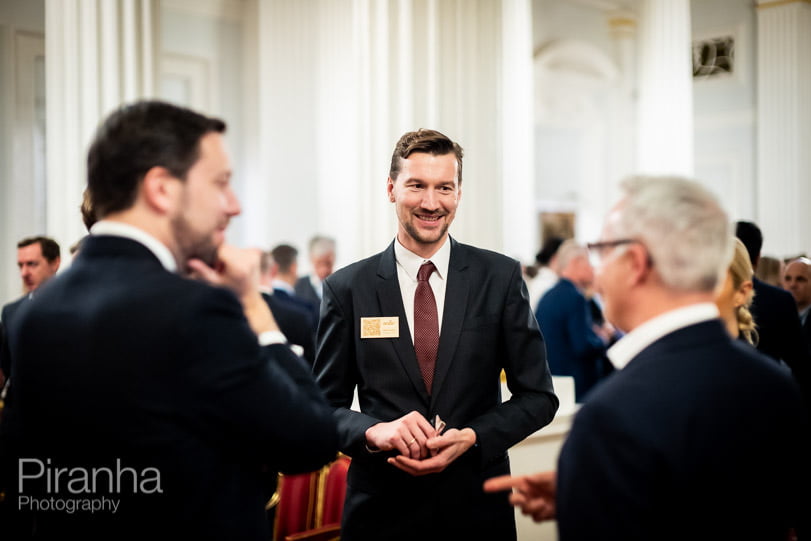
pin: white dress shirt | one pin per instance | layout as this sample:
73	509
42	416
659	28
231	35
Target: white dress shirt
644	335
408	265
119	229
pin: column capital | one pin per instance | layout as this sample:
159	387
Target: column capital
765	4
622	21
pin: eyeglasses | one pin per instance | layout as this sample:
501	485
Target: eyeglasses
598	250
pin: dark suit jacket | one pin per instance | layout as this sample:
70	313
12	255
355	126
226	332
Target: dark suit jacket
295	322
301	304
304	290
572	346
121	364
698	437
7	316
780	333
487	325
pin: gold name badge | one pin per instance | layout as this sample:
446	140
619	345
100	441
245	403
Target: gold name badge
380	327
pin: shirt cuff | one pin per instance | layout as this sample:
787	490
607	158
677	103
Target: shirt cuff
272	337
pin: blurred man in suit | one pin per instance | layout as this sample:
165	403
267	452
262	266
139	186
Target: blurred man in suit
780	334
294	320
695	436
546	276
38	259
797	281
423	331
285	275
181	392
573	346
322	259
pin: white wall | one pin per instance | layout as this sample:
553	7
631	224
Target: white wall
22	180
725	109
315	94
578	83
203	67
576	137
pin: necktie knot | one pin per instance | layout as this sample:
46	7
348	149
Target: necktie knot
425	271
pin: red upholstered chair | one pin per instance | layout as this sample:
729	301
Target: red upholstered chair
332	492
297	506
310	505
325	533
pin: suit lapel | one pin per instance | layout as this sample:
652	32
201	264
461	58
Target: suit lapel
456	293
391	304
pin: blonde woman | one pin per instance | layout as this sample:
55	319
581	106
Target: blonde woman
735	296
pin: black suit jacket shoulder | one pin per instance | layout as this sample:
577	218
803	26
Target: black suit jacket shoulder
7	316
304	289
685	421
295	322
118	359
780	333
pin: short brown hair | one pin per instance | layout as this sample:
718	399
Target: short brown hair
285	256
135	138
428	141
49	247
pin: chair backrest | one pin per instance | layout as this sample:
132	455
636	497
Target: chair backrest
298	503
332	492
311	503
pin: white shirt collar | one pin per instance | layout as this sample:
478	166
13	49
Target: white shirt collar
630	345
411	262
282	285
120	229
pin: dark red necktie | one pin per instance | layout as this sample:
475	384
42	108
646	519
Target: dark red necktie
426	325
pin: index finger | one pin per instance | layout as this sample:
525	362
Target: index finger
201	271
501	483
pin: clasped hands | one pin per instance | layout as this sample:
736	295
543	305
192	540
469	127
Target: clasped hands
423	448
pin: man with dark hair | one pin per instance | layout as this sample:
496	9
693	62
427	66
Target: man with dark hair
422	331
182	391
295	321
38	259
285	276
780	333
546	276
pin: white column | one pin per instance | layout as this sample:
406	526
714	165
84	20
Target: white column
341	80
665	113
98	55
784	126
519	222
622	141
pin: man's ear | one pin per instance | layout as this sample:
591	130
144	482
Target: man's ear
640	266
390	188
160	189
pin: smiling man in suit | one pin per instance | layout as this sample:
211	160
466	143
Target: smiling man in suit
183	388
414	360
694	429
